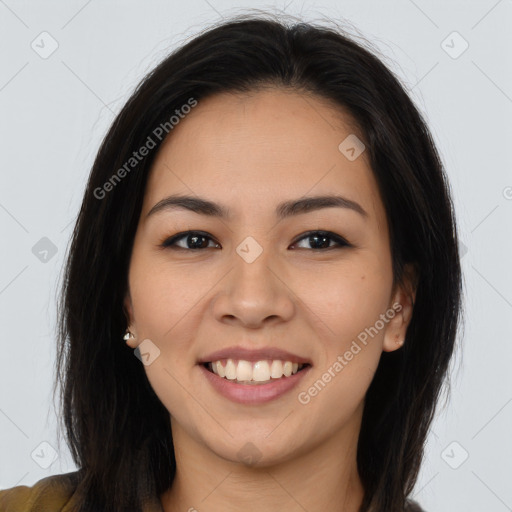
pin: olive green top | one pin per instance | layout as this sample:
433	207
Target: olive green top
56	493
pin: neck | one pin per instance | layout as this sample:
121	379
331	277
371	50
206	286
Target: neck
324	478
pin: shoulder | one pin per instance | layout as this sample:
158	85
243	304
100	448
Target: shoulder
412	506
53	494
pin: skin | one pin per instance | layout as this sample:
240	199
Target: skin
250	152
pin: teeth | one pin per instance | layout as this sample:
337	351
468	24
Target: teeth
259	371
219	369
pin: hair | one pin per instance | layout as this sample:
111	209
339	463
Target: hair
117	429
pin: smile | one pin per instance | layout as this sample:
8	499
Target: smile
253	392
256	373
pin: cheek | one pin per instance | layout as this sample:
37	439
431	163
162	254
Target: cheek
162	294
349	308
347	301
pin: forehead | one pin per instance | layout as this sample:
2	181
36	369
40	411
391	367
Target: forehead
253	150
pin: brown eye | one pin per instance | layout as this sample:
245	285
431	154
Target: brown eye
193	240
320	240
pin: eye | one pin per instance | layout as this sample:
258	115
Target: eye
197	240
320	240
194	238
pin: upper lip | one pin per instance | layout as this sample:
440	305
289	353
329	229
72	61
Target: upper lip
253	355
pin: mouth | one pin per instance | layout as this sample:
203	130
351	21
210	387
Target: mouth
254	383
260	372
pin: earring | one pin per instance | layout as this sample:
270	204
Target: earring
128	336
398	342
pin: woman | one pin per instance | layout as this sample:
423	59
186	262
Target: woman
268	228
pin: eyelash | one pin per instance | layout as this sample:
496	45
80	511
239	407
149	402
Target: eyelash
169	243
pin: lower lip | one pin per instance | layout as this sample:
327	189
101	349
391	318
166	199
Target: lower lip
253	393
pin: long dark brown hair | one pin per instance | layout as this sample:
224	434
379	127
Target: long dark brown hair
117	429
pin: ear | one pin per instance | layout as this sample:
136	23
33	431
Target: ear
128	311
402	303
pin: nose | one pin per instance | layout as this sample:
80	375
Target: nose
254	294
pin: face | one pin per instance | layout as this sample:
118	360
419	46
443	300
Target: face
263	277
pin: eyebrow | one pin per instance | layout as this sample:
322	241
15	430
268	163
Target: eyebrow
286	209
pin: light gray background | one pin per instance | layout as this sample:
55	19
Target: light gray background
55	110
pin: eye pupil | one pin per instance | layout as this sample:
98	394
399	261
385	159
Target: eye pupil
195	238
319	237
